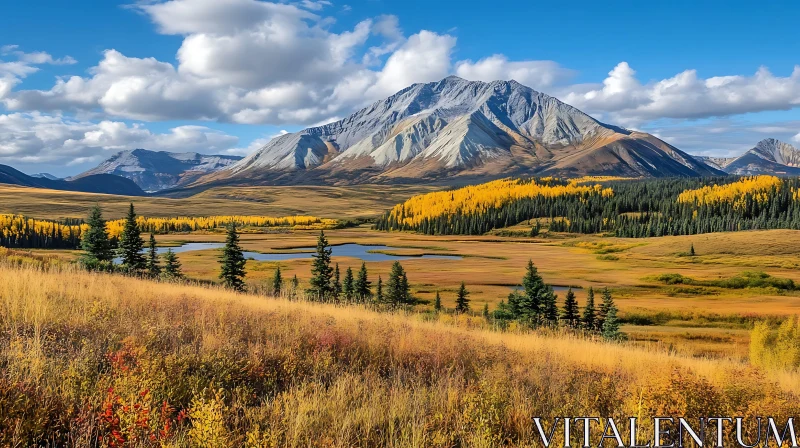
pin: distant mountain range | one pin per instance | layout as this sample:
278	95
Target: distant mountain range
455	130
769	156
159	170
98	183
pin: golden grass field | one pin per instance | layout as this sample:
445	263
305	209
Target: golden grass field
130	362
332	202
90	357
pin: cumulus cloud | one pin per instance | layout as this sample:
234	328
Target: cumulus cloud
42	138
796	138
535	74
622	97
23	64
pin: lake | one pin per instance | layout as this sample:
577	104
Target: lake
360	251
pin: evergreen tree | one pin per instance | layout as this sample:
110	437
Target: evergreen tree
486	310
321	271
295	283
437	302
570	314
589	319
535	230
462	302
549	306
379	290
277	281
691	250
348	285
232	261
530	304
610	330
608	301
337	283
153	268
172	267
131	245
397	290
95	242
363	285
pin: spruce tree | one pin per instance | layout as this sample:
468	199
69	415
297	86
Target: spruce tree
437	302
321	271
131	245
549	306
363	285
232	261
95	242
337	284
295	287
530	304
172	267
570	314
379	290
589	319
486	310
462	302
691	250
348	285
605	306
277	281
610	330
153	267
397	290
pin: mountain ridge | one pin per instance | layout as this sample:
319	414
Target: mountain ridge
160	170
769	156
96	183
450	128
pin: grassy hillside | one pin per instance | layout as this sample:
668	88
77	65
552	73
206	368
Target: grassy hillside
90	357
326	202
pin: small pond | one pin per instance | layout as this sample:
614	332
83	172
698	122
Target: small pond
360	251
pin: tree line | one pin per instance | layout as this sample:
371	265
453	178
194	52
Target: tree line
637	208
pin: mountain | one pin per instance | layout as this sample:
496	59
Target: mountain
769	156
716	162
97	183
45	176
159	170
454	130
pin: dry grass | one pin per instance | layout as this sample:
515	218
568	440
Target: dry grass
326	202
85	355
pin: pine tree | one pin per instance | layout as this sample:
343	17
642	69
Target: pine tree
295	282
530	304
321	271
570	313
172	267
337	284
348	285
232	261
379	290
131	245
277	281
608	301
611	324
437	302
363	285
486	310
397	290
95	242
549	307
691	250
153	268
589	319
462	302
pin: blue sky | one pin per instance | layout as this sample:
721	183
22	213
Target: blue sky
82	80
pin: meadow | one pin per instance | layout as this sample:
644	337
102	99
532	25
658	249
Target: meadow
94	359
164	364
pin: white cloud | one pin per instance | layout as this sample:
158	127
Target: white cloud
40	138
624	99
12	72
536	74
796	138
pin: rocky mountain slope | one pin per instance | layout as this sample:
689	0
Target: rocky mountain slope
769	156
159	170
96	183
456	129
